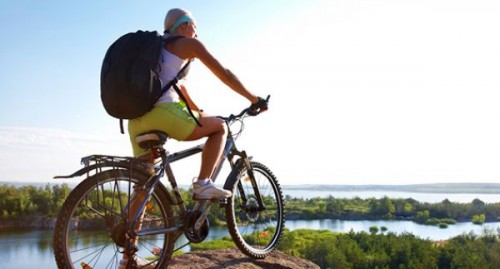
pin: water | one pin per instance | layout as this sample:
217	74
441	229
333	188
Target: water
423	231
19	250
33	249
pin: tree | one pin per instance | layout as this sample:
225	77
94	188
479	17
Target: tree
423	216
383	208
478	219
408	208
60	193
335	207
477	203
373	229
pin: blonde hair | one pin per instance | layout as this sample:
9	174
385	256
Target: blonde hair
172	17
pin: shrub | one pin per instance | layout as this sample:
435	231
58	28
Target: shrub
478	219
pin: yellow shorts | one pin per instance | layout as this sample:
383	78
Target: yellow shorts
171	118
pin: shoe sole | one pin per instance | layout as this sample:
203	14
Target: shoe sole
201	197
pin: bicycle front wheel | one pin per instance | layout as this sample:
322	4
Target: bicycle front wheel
91	227
255	214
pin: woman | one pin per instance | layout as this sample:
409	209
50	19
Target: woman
170	113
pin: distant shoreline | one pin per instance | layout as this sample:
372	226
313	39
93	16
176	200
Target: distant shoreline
473	188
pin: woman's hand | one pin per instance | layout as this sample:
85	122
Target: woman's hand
259	106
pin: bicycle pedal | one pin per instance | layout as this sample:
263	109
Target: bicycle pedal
222	202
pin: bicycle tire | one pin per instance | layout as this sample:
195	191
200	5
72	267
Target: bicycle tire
95	208
255	232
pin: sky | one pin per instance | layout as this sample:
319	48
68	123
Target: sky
362	91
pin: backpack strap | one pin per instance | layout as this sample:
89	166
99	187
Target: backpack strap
121	126
173	83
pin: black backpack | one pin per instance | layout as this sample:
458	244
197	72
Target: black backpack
130	85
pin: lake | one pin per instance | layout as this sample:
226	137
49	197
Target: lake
33	249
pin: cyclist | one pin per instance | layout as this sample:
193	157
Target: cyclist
172	116
170	113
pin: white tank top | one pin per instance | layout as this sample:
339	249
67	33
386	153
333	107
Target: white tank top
169	66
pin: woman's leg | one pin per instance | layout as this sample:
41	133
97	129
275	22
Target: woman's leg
216	131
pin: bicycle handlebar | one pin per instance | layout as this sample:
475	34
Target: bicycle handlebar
258	107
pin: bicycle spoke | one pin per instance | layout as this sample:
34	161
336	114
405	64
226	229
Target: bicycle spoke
258	223
91	228
94	258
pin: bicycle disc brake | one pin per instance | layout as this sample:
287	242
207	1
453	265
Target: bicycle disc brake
193	235
252	209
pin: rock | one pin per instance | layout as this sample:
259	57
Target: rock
233	258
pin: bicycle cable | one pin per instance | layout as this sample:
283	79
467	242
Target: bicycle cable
237	134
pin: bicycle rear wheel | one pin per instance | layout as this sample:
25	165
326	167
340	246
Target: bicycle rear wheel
255	229
91	227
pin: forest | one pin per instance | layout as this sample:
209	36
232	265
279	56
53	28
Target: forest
384	250
442	213
45	201
377	248
17	202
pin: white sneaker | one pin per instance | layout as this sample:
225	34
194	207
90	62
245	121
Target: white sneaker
140	263
208	191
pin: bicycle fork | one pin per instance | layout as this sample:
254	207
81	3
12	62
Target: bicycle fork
253	181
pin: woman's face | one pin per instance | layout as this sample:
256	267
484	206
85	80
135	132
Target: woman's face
190	29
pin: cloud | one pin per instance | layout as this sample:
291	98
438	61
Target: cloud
36	154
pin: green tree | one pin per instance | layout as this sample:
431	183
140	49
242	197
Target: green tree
423	216
374	229
478	219
60	193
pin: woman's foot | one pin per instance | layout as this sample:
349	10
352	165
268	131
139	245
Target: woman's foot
208	191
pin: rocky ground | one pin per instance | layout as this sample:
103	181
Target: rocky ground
234	258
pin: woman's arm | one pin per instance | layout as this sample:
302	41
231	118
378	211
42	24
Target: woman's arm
193	48
189	101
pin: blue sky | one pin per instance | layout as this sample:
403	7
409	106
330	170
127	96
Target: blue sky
363	92
54	50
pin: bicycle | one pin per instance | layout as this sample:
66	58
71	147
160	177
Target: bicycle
121	207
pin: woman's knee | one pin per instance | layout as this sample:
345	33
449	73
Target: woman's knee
218	126
222	126
209	126
211	121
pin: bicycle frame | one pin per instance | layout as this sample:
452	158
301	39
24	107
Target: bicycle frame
230	152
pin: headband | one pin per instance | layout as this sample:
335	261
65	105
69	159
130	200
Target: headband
181	20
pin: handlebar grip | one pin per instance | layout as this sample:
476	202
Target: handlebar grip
259	107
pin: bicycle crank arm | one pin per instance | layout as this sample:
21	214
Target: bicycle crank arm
201	219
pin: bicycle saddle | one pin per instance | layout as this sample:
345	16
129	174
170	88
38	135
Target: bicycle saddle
151	139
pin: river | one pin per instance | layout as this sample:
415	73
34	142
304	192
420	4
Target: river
33	249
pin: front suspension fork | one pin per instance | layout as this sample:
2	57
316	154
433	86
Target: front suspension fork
253	181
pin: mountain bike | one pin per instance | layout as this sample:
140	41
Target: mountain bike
122	207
